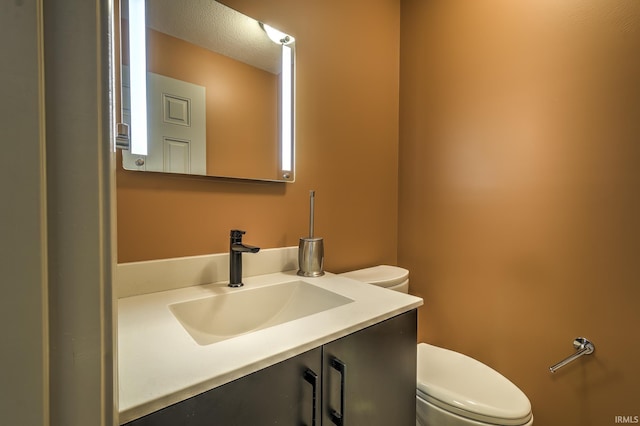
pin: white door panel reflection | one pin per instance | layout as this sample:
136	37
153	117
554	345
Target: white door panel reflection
176	128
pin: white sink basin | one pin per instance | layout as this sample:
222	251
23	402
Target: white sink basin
239	311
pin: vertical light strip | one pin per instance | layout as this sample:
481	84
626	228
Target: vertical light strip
138	76
287	110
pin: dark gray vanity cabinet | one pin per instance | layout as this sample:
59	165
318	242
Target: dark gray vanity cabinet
282	394
367	378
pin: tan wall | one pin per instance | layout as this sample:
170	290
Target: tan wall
520	192
347	148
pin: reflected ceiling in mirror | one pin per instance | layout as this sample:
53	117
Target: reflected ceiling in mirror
217	92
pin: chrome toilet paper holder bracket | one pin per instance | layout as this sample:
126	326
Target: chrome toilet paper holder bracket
583	347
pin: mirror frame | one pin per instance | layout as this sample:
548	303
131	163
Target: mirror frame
138	86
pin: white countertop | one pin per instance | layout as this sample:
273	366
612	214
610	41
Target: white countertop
160	364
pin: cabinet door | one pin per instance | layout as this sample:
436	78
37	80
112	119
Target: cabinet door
369	377
281	394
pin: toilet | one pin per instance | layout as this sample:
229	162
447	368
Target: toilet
454	389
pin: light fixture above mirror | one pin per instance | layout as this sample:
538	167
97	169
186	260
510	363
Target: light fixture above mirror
239	129
276	36
286	96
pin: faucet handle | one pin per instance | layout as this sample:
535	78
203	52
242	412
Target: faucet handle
236	235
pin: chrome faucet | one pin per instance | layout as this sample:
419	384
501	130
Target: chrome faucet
236	248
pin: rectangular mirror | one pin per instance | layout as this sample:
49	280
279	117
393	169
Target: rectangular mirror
206	91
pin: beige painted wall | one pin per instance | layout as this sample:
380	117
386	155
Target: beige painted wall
56	180
520	192
80	187
347	148
24	357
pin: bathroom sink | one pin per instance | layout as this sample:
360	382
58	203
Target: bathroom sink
239	311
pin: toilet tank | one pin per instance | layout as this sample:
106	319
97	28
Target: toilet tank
391	277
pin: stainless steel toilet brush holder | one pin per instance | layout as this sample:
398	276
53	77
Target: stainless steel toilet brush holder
311	257
311	249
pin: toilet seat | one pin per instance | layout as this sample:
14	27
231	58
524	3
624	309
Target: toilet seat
462	385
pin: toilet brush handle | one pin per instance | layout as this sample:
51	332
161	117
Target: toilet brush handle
312	198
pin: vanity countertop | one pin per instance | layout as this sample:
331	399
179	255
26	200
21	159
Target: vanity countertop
160	364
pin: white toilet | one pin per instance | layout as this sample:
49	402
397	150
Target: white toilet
454	389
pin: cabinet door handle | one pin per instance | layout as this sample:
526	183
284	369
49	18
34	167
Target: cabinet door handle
312	378
338	417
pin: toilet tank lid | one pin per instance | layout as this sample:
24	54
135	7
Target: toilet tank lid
470	388
381	275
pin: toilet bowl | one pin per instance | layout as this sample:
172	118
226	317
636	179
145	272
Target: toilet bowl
453	389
